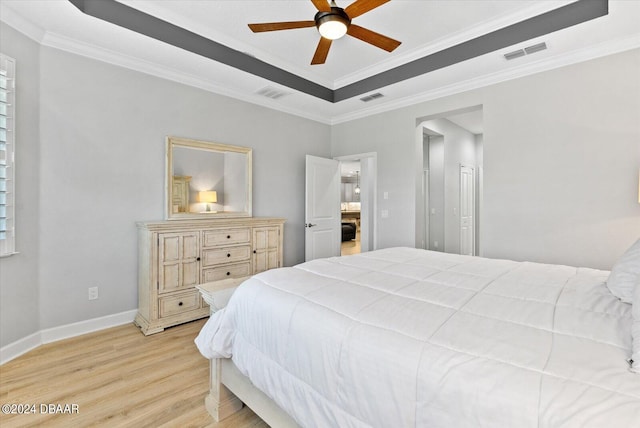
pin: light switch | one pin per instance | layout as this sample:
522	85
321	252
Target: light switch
385	195
384	213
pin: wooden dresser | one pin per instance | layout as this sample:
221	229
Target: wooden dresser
176	255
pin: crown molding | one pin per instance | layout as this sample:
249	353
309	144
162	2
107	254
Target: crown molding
26	27
73	46
156	9
558	61
115	58
56	41
446	42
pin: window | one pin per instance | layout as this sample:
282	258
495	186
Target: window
7	156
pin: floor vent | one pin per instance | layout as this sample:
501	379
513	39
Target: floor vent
371	97
526	51
271	92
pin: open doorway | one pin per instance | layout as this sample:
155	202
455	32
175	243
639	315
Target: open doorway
449	181
350	207
357	202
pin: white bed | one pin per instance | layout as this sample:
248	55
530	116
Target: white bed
404	337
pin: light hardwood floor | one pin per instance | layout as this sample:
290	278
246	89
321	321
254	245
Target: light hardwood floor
348	248
118	378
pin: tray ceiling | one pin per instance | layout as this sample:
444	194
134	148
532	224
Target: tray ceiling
447	46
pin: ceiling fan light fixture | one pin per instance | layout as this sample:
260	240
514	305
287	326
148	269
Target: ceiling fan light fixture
332	25
332	29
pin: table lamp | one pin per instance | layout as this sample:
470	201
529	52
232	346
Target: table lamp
208	197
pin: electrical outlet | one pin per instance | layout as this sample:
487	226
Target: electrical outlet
93	293
435	244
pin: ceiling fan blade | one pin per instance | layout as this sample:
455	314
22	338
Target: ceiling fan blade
373	38
275	26
321	51
322	5
359	7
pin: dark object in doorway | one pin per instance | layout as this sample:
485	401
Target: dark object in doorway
348	231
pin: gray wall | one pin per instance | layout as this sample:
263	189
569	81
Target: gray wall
96	166
561	161
19	295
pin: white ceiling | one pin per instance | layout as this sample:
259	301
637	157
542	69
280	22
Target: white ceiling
424	27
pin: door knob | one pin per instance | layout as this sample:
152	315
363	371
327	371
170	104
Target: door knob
310	224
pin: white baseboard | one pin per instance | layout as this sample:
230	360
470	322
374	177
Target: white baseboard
19	347
26	344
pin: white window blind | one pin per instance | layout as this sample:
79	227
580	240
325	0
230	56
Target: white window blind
7	156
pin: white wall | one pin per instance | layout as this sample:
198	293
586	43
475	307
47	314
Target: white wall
19	296
561	161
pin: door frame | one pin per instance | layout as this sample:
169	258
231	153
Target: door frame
473	208
368	214
427	208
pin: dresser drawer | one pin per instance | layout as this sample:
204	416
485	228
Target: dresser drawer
178	303
215	238
218	256
224	272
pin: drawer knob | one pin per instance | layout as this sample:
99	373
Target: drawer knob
198	259
255	252
228	254
228	273
180	304
228	236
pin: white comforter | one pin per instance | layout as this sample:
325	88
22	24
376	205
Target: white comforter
404	337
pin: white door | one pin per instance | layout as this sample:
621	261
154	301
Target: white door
467	210
322	208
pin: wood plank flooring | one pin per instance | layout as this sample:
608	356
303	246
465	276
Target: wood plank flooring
117	378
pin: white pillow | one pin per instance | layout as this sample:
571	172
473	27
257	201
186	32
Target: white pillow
635	332
625	274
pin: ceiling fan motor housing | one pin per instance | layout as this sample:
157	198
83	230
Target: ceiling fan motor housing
336	14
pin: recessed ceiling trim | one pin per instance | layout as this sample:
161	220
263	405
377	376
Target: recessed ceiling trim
549	22
140	22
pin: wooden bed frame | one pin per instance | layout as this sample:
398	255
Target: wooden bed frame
229	389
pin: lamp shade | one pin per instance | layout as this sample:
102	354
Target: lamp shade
208	196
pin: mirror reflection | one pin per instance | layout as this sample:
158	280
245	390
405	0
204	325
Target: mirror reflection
207	179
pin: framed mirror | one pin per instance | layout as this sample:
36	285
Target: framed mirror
207	180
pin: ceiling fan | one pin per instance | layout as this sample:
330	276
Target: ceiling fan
334	22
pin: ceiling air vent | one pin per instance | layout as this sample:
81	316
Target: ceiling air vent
271	92
535	48
515	54
526	51
371	97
